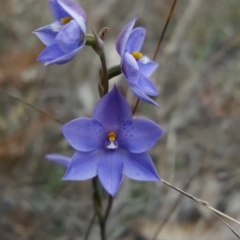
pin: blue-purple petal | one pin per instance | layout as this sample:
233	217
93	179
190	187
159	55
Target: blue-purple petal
147	68
57	10
130	68
49	53
138	135
139	167
135	40
46	35
59	159
84	134
54	55
112	110
146	86
141	95
110	171
124	35
69	37
75	11
83	166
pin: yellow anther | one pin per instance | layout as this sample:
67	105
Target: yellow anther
137	55
112	136
65	20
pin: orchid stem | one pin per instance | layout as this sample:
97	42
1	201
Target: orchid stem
97	200
104	74
90	226
90	40
108	209
114	71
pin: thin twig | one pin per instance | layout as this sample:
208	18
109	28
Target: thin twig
206	205
90	226
173	208
226	224
203	160
32	106
159	44
108	209
164	30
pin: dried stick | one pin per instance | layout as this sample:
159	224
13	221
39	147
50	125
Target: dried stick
207	206
158	45
31	106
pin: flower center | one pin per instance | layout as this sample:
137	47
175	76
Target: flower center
137	55
65	20
111	141
112	136
57	26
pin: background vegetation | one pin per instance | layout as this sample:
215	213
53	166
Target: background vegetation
199	86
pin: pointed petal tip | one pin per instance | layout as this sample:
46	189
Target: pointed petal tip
64	178
111	192
157	105
46	64
59	159
157	179
124	35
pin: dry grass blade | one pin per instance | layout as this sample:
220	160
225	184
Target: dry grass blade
158	45
226	223
224	126
164	30
206	205
32	106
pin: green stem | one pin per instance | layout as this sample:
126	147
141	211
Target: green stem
97	192
97	200
90	40
104	73
90	226
114	71
108	209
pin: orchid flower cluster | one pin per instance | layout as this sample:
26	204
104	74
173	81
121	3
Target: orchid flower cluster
111	143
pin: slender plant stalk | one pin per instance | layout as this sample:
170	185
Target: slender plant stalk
207	206
164	30
108	209
90	226
104	74
114	71
98	47
97	200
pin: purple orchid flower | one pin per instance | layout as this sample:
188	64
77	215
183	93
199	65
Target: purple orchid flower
135	66
110	144
66	36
